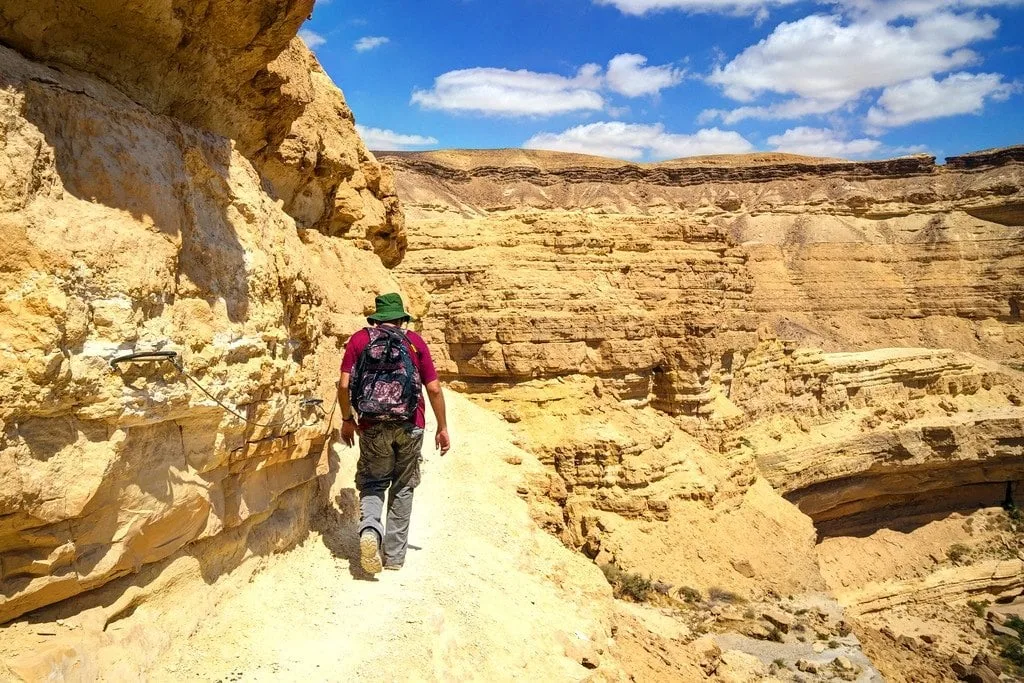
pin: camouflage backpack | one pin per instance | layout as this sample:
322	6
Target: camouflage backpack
385	384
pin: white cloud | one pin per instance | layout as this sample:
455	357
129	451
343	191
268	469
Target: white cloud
825	63
312	39
821	142
501	92
628	76
641	7
789	109
634	141
906	150
367	43
877	9
888	9
925	98
382	138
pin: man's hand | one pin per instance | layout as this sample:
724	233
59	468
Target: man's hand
348	433
442	441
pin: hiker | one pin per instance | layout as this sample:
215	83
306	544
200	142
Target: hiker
380	394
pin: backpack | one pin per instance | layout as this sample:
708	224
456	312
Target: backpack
385	384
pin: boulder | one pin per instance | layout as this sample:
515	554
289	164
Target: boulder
740	667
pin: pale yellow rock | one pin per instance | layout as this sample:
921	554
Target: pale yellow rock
125	230
740	667
740	377
839	336
954	583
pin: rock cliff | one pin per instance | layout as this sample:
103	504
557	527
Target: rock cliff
752	372
237	70
721	379
176	177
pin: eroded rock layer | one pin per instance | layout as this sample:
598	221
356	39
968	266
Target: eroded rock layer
841	256
144	169
235	69
845	335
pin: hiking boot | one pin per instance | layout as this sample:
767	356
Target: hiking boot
369	552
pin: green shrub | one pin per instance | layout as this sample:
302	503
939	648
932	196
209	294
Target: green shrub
957	552
722	595
980	607
1016	623
690	594
779	663
1013	652
1014	513
627	584
636	587
612	573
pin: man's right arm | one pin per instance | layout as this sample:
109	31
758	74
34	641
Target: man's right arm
348	425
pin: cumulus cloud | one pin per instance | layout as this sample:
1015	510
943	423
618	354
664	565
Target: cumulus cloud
634	141
641	7
628	76
367	43
789	109
382	138
819	58
887	9
312	39
926	98
877	9
502	92
822	142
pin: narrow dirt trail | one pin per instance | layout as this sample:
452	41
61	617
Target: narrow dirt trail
484	594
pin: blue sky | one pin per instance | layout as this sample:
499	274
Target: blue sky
654	79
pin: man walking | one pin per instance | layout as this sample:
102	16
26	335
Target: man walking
382	373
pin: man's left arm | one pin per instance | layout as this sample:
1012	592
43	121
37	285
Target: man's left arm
348	420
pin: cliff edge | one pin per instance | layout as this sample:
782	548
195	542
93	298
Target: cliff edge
176	178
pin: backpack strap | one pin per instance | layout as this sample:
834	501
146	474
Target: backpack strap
397	331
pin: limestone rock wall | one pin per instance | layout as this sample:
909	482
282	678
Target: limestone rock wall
136	216
690	345
234	68
858	440
841	256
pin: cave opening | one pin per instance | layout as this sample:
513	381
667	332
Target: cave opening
859	507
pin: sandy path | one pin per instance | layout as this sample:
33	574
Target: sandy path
484	593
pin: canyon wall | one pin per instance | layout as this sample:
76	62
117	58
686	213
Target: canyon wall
741	371
843	256
184	178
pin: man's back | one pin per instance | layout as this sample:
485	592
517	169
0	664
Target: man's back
421	358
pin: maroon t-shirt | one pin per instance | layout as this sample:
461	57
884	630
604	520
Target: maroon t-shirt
420	358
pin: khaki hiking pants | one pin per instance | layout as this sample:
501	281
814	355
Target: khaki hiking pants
389	462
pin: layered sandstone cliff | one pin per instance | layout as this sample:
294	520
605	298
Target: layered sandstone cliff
761	377
752	372
174	178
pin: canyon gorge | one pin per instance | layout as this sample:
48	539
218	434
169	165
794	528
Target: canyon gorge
783	395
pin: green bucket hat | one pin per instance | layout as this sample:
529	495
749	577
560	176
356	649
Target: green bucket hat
389	307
